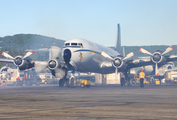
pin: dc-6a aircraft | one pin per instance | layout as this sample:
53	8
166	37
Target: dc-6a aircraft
85	56
22	62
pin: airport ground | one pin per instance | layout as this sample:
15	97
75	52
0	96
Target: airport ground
49	102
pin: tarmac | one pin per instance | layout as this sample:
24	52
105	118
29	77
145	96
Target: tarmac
97	102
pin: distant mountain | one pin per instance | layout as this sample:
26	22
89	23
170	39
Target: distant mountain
20	42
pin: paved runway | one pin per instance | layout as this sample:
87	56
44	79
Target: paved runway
101	102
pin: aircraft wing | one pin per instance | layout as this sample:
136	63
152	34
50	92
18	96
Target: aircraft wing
4	60
172	58
139	62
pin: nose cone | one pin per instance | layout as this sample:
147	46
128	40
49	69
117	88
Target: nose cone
52	64
18	61
156	57
67	55
117	62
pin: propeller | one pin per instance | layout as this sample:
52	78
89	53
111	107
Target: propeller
40	65
117	62
17	60
54	52
156	57
145	51
28	54
18	73
7	55
54	64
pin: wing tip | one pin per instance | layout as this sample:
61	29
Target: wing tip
140	50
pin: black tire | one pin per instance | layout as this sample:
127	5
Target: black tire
67	83
129	82
15	84
61	83
122	82
37	83
72	83
19	83
82	85
28	83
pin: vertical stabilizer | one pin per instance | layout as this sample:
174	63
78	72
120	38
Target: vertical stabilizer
118	42
123	52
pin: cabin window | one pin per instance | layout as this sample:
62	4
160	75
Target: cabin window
67	44
80	44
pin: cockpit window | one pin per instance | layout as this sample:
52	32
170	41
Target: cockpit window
73	44
67	44
78	45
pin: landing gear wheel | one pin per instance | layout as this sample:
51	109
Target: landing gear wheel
129	82
61	83
18	83
72	83
122	82
67	82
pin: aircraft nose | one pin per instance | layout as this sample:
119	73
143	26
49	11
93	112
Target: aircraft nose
67	55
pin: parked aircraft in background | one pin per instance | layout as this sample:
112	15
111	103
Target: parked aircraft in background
149	71
159	59
21	61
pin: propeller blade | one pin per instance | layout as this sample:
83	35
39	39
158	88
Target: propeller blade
167	50
106	55
156	70
18	73
59	73
128	56
7	55
54	52
28	54
116	72
145	51
40	65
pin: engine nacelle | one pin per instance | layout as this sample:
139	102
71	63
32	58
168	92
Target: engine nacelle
54	63
23	63
158	58
119	63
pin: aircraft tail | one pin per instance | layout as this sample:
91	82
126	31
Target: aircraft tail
118	42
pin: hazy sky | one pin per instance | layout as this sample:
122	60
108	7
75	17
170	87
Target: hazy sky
143	22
